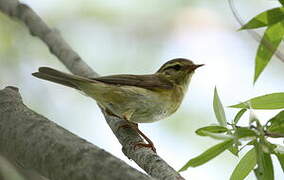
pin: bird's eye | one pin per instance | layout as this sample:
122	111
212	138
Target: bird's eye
176	67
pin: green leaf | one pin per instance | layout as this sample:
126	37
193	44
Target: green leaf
277	123
278	119
212	129
218	109
268	101
264	170
234	150
243	132
266	18
280	158
208	155
239	115
251	142
218	136
245	166
268	45
281	2
277	130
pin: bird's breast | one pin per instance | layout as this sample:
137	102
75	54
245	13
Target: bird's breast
176	98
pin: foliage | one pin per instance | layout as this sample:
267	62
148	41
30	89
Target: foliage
268	101
272	19
246	164
218	109
235	138
208	154
257	136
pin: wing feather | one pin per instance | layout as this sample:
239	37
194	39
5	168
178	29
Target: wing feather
151	82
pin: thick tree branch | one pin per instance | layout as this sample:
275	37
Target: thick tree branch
38	143
144	157
10	170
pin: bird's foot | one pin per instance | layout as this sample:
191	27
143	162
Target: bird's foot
134	126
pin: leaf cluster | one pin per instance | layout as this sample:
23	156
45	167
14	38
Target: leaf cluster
255	135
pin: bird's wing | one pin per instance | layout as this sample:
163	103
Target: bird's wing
151	82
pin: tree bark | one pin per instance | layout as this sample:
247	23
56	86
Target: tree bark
37	143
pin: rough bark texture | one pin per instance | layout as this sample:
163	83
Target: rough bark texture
144	157
38	143
11	170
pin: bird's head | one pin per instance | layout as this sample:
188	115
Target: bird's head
178	70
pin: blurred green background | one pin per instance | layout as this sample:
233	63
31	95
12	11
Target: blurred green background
137	37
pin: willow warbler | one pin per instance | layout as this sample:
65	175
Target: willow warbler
135	98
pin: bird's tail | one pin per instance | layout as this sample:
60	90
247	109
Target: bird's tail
59	77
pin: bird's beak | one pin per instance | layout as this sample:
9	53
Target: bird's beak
197	66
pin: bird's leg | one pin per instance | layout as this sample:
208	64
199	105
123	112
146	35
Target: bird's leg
150	143
134	126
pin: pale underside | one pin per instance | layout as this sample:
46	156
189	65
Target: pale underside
132	103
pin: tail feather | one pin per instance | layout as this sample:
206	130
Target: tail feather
59	77
54	79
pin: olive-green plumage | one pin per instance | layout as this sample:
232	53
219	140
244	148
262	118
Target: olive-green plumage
137	98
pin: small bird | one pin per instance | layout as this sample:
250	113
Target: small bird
135	98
